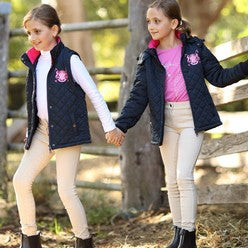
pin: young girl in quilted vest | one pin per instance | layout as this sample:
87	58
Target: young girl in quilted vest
57	122
170	79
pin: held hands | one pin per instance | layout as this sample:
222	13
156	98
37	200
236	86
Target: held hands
115	137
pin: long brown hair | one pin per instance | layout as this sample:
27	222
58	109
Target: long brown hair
46	14
171	9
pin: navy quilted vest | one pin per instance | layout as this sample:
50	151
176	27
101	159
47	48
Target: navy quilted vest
67	112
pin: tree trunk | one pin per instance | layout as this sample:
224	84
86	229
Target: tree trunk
141	163
201	14
4	42
81	42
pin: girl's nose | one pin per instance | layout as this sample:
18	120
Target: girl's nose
32	37
150	26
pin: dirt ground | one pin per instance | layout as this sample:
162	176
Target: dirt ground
224	226
217	227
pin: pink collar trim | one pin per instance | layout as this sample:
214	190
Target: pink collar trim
33	54
155	43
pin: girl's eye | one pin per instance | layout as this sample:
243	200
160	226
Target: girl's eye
157	21
37	31
148	21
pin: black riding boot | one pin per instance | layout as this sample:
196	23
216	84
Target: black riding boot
187	239
84	243
31	241
176	238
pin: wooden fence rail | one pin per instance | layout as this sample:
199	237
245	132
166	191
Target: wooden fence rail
81	26
231	49
94	185
228	144
232	93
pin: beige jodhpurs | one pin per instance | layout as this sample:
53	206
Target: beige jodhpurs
34	160
180	149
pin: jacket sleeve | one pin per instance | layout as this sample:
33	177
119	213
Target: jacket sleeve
136	103
217	75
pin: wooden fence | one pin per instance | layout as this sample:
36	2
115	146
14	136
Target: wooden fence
228	144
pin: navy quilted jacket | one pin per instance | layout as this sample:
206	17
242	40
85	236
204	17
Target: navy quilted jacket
197	64
67	112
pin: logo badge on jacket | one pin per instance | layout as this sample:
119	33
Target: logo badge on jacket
61	76
193	59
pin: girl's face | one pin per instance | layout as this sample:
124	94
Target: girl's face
41	36
159	25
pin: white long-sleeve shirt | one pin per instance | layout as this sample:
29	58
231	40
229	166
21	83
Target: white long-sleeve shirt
82	77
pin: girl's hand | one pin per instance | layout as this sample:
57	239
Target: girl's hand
115	137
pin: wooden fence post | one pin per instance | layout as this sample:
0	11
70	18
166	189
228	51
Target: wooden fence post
4	34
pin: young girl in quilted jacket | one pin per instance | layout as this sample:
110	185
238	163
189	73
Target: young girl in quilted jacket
57	122
170	79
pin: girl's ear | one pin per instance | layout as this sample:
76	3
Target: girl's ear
55	30
174	23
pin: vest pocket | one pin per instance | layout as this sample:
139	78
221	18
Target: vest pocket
73	124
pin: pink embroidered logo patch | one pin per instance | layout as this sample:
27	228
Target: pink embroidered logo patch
61	76
193	59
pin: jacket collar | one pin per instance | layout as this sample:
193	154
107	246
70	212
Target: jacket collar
179	35
182	36
32	54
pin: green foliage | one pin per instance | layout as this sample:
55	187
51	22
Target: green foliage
108	44
106	9
109	47
231	25
110	90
